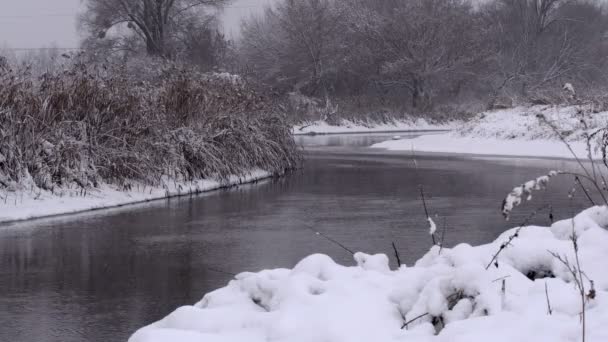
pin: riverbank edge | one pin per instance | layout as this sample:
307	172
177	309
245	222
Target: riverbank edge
27	206
525	131
350	127
447	143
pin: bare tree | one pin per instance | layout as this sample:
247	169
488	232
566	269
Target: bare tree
422	41
544	43
154	22
294	43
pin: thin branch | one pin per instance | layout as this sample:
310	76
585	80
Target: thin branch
413	319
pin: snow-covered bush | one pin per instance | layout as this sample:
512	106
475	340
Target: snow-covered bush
447	296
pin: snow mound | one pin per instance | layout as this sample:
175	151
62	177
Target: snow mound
448	295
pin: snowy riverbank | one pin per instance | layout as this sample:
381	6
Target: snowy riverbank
448	295
322	127
512	132
23	205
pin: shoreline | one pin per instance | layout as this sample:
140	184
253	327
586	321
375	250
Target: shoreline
108	197
351	127
398	130
449	144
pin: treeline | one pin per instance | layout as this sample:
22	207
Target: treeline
423	55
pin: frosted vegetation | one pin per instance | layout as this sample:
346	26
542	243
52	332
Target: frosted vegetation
84	124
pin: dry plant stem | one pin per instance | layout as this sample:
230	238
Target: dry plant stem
515	234
588	146
335	242
582	284
404	326
549	310
594	183
422	196
445	226
578	275
579	162
426	211
578	181
396	255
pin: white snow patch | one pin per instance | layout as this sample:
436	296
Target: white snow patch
432	226
454	296
512	132
23	205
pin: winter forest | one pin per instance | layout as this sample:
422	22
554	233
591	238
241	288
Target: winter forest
326	170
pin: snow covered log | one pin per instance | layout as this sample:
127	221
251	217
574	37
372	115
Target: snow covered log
448	295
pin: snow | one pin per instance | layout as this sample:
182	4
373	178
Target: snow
432	226
512	132
23	205
524	192
447	295
346	126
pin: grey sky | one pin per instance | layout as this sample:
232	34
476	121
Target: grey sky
42	23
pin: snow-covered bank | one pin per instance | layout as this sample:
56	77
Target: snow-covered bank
453	143
512	132
448	295
25	205
322	127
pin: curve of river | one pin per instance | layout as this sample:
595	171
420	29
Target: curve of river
100	276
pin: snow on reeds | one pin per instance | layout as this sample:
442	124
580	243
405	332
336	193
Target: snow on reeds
117	122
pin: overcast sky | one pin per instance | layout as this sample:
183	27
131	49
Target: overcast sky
42	23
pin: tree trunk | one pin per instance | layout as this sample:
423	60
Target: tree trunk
420	98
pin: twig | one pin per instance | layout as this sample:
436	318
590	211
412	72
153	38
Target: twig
396	255
331	240
549	310
579	162
426	211
516	234
445	226
578	181
501	278
413	319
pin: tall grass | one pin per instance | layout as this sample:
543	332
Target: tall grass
118	122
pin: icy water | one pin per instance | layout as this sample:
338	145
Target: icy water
100	276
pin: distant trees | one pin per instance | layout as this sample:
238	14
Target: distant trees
293	45
420	53
162	28
547	42
422	45
367	55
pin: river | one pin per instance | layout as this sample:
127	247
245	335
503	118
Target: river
99	276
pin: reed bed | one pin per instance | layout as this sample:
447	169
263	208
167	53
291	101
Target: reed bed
87	123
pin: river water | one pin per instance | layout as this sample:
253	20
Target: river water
99	276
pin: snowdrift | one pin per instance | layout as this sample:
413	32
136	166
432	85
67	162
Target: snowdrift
448	295
514	132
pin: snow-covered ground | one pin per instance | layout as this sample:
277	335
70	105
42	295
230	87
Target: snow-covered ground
512	132
448	295
322	127
24	205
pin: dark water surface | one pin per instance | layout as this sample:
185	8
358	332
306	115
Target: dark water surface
100	276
